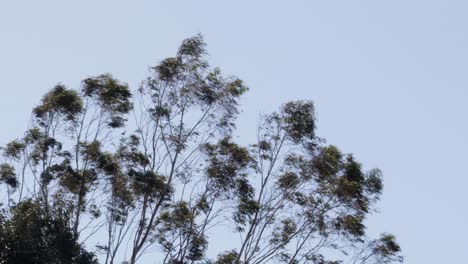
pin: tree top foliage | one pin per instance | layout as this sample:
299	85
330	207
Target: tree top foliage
107	174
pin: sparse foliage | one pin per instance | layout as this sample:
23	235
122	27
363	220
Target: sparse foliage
156	170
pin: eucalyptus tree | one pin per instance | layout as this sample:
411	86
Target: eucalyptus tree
157	171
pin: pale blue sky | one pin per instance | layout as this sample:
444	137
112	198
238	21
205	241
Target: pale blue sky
389	79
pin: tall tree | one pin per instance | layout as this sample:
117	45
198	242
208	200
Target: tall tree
165	180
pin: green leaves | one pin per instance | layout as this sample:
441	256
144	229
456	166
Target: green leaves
288	180
193	48
351	226
13	149
32	236
170	69
111	95
328	162
386	246
307	193
59	101
185	85
290	197
227	258
299	120
383	250
8	175
149	183
226	163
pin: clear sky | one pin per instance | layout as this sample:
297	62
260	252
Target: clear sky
388	77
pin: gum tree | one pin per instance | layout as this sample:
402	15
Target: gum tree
156	170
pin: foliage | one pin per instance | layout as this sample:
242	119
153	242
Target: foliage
33	236
82	173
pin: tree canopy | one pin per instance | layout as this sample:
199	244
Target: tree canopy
113	174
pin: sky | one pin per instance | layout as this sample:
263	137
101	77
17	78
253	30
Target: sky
388	78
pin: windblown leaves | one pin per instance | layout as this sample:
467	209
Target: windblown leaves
33	237
112	96
167	183
227	163
8	175
59	101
